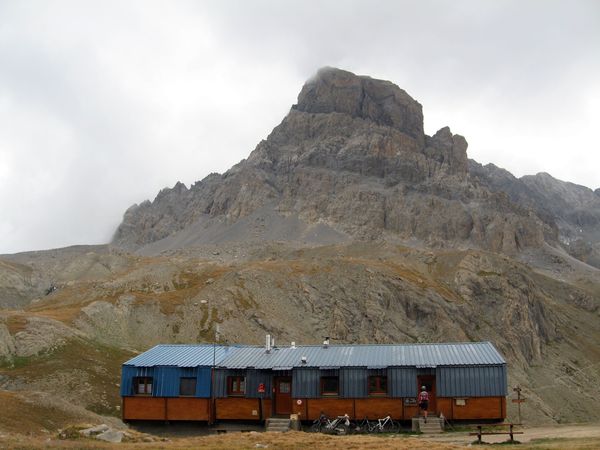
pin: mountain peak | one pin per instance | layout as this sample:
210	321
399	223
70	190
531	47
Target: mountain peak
334	90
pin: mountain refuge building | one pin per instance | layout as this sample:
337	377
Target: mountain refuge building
465	381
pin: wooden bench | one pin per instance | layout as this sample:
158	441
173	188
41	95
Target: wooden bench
510	431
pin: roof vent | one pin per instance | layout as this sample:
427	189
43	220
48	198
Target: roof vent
293	344
326	342
303	360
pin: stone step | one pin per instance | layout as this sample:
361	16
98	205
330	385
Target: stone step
277	424
433	425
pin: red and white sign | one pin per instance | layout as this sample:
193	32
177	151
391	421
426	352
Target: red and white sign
261	388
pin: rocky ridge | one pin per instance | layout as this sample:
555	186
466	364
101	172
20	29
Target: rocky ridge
351	155
570	210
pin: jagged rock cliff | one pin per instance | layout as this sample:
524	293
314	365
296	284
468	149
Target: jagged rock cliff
351	155
570	210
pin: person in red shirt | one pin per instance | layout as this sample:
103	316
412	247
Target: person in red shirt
423	401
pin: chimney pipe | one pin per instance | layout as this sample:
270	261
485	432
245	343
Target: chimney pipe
326	342
293	344
268	344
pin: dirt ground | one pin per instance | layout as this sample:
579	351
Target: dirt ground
532	435
575	437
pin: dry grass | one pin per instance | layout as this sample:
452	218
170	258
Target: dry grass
292	440
239	441
22	415
59	373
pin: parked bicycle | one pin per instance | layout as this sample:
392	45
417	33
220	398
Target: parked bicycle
324	424
360	427
385	425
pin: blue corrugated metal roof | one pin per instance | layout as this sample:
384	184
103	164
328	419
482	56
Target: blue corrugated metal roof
182	355
372	356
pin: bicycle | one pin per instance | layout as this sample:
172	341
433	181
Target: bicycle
361	427
339	425
385	425
318	424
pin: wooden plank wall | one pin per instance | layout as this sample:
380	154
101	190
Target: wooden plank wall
161	408
474	408
188	409
376	408
331	407
144	408
300	409
241	408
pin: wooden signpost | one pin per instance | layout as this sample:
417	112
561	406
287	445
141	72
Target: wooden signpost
518	400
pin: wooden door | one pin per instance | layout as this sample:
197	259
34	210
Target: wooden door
429	382
283	395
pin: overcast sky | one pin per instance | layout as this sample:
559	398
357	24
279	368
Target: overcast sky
104	103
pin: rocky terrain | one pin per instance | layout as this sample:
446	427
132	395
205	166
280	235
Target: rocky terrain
347	221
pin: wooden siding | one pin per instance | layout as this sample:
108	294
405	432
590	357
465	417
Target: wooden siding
445	406
144	408
163	408
410	411
479	408
241	408
331	407
376	408
301	409
234	408
188	409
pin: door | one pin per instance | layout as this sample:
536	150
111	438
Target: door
429	382
283	395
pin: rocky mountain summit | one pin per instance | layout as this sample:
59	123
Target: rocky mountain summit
350	157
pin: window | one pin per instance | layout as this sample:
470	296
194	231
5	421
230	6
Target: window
187	387
377	385
236	385
142	385
330	385
284	387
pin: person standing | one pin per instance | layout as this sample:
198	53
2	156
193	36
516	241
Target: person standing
423	401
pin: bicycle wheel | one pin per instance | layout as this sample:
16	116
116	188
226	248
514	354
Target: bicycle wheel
315	427
354	428
340	429
360	427
375	427
391	427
